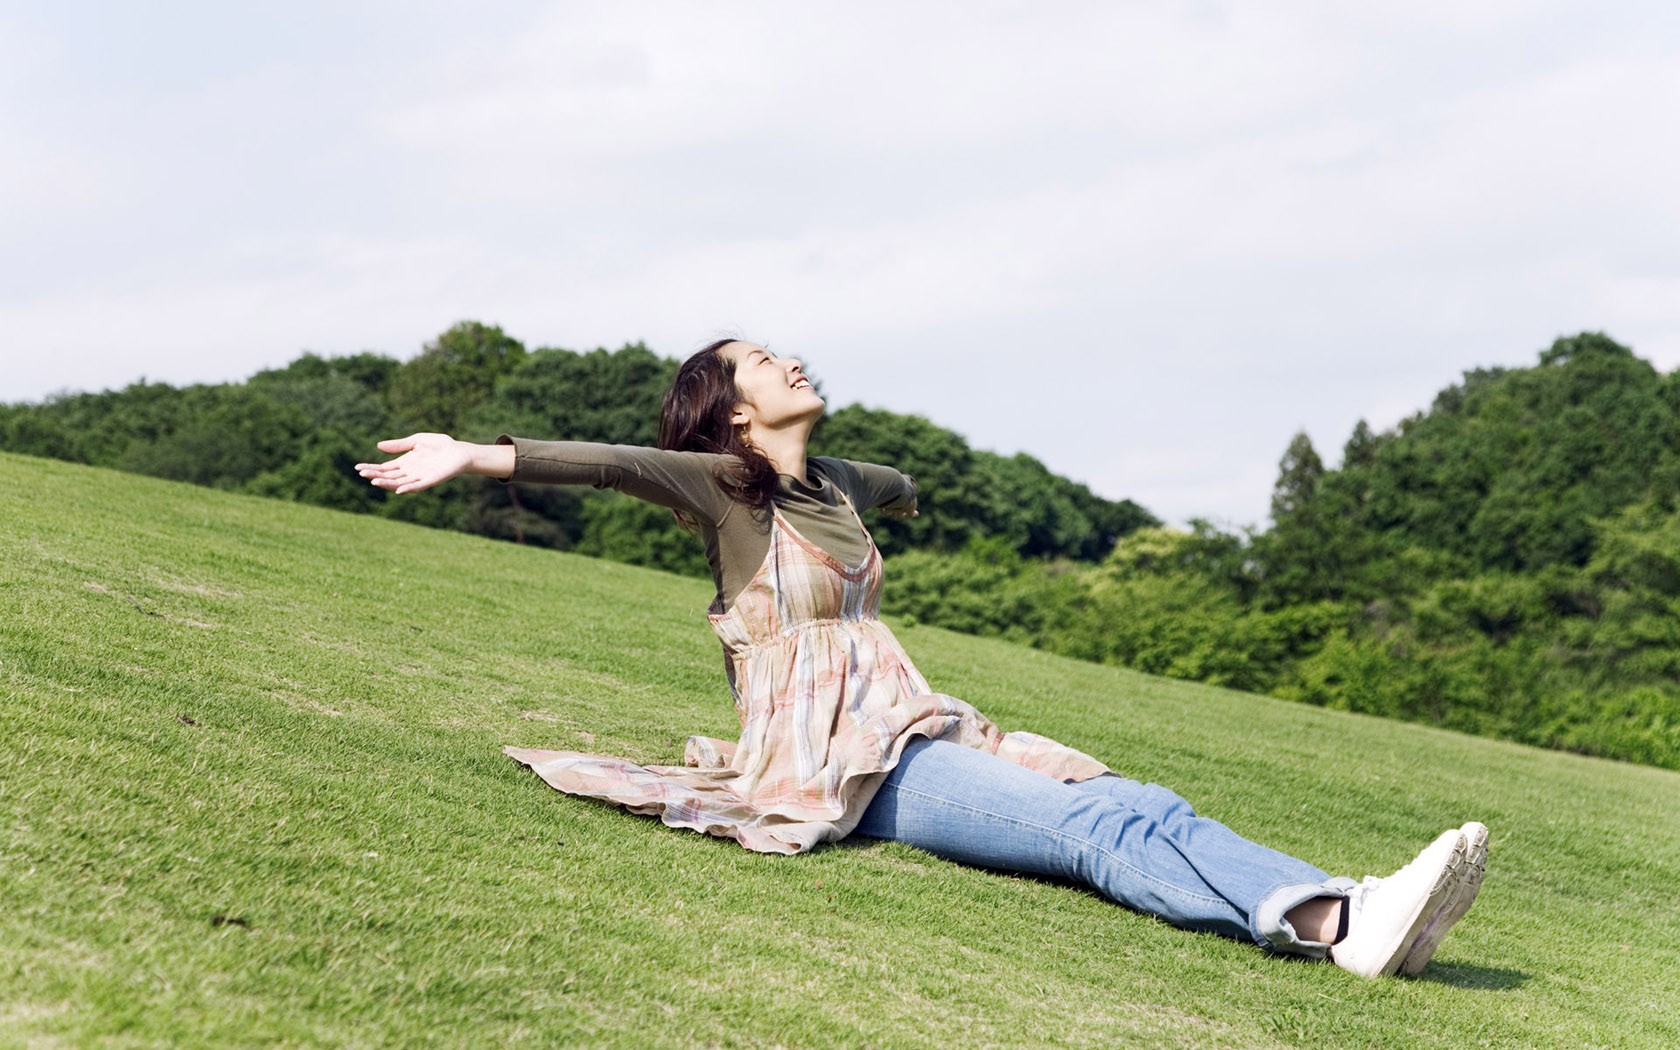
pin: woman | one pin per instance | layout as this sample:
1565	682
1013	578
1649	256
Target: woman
841	734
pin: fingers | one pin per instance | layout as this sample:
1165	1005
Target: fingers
386	469
414	482
392	474
387	476
373	471
399	481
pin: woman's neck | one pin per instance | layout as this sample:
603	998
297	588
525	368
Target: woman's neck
785	449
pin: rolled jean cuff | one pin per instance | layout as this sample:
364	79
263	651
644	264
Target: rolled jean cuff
1273	932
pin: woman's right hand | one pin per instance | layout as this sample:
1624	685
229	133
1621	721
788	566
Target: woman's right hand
426	460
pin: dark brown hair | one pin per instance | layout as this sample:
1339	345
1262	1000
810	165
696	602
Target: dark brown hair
696	418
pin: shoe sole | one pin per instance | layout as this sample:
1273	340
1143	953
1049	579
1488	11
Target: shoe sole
1434	901
1463	895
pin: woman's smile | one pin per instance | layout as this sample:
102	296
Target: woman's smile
765	381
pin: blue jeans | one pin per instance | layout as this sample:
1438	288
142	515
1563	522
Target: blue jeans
1138	844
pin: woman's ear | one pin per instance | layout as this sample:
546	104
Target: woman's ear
739	417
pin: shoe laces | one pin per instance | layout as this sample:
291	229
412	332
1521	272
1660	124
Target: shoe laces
1358	895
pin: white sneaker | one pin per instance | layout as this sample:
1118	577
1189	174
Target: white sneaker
1463	894
1386	916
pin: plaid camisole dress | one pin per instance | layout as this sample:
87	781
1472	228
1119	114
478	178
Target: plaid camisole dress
827	699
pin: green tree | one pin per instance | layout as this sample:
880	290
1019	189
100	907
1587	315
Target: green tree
1361	448
323	472
1509	467
967	495
1298	552
939	460
608	396
1296	493
986	588
624	529
452	377
222	436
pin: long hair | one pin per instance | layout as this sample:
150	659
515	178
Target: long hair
695	418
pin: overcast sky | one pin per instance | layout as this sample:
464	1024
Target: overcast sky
1145	243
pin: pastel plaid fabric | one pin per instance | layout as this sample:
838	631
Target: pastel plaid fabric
827	700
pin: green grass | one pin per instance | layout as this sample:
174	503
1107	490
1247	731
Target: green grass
251	794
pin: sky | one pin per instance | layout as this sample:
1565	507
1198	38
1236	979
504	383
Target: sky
1146	243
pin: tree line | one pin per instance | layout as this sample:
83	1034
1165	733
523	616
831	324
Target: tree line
297	432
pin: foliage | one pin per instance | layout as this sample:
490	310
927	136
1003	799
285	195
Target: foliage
968	495
222	436
1505	564
1164	601
624	529
454	375
606	396
986	588
1587	431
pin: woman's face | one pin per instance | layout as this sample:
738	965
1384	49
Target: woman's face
775	394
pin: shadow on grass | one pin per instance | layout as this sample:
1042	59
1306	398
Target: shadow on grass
1464	975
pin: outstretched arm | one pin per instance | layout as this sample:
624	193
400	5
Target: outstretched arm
873	485
680	480
428	459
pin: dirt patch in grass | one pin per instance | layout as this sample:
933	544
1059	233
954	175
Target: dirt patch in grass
195	588
143	608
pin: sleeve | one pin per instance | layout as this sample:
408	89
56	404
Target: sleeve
872	485
680	480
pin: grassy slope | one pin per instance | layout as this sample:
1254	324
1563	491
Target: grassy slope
335	853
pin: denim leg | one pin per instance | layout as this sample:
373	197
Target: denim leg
1295	881
1138	844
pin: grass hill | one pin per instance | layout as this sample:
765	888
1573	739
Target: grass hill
251	794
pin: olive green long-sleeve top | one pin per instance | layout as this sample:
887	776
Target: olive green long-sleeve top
735	537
